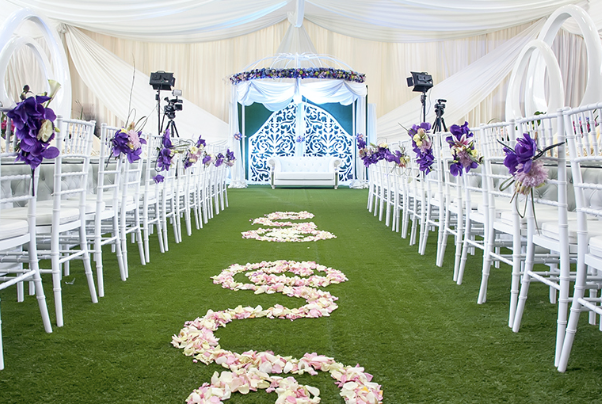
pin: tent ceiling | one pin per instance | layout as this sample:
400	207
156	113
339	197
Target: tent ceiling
378	20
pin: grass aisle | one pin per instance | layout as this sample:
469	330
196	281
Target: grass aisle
402	318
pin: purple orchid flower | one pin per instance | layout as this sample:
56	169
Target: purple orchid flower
34	128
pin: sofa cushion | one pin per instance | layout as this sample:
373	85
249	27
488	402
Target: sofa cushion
305	164
305	176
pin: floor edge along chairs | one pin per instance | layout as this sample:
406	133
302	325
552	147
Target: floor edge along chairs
19	187
582	127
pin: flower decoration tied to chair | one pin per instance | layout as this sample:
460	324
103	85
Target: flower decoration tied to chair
34	127
461	143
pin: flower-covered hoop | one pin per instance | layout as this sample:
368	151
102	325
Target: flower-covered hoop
252	370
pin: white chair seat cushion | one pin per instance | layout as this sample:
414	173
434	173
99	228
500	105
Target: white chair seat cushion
43	215
550	229
10	228
595	245
89	207
543	214
476	199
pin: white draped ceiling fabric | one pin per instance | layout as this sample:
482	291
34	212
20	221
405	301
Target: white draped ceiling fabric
377	20
203	42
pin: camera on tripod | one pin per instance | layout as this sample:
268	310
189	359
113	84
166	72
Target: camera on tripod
173	105
440	107
439	124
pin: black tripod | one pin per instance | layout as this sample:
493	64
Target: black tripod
171	125
439	123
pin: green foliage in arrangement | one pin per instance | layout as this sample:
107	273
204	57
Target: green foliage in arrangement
419	334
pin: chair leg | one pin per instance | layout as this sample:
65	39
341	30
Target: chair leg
524	289
87	264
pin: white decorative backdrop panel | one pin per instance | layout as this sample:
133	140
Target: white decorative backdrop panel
323	135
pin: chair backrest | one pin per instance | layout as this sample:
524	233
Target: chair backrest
71	167
109	168
492	139
548	130
582	128
434	181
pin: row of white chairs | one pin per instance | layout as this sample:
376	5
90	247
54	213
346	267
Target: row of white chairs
72	206
551	236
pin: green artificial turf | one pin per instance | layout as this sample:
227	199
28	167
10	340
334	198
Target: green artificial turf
423	337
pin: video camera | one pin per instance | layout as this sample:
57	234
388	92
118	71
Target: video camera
440	107
173	105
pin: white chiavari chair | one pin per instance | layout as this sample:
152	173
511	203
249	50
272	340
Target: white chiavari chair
62	226
20	232
434	197
453	215
549	228
106	217
130	222
582	126
151	201
372	188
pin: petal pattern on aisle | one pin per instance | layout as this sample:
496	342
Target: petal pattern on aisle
287	231
251	370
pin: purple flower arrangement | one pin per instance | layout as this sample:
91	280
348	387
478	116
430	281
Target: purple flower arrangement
423	146
195	152
373	154
522	162
461	142
370	154
527	170
309	73
219	159
128	141
34	129
229	158
237	136
300	139
208	159
164	157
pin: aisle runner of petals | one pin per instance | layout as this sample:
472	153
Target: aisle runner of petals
251	370
287	231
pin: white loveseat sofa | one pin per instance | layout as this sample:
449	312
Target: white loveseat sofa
304	171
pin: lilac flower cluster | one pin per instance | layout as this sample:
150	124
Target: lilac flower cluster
423	146
523	165
129	142
34	129
309	73
461	143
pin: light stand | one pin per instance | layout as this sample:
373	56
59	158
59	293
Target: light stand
161	81
422	82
